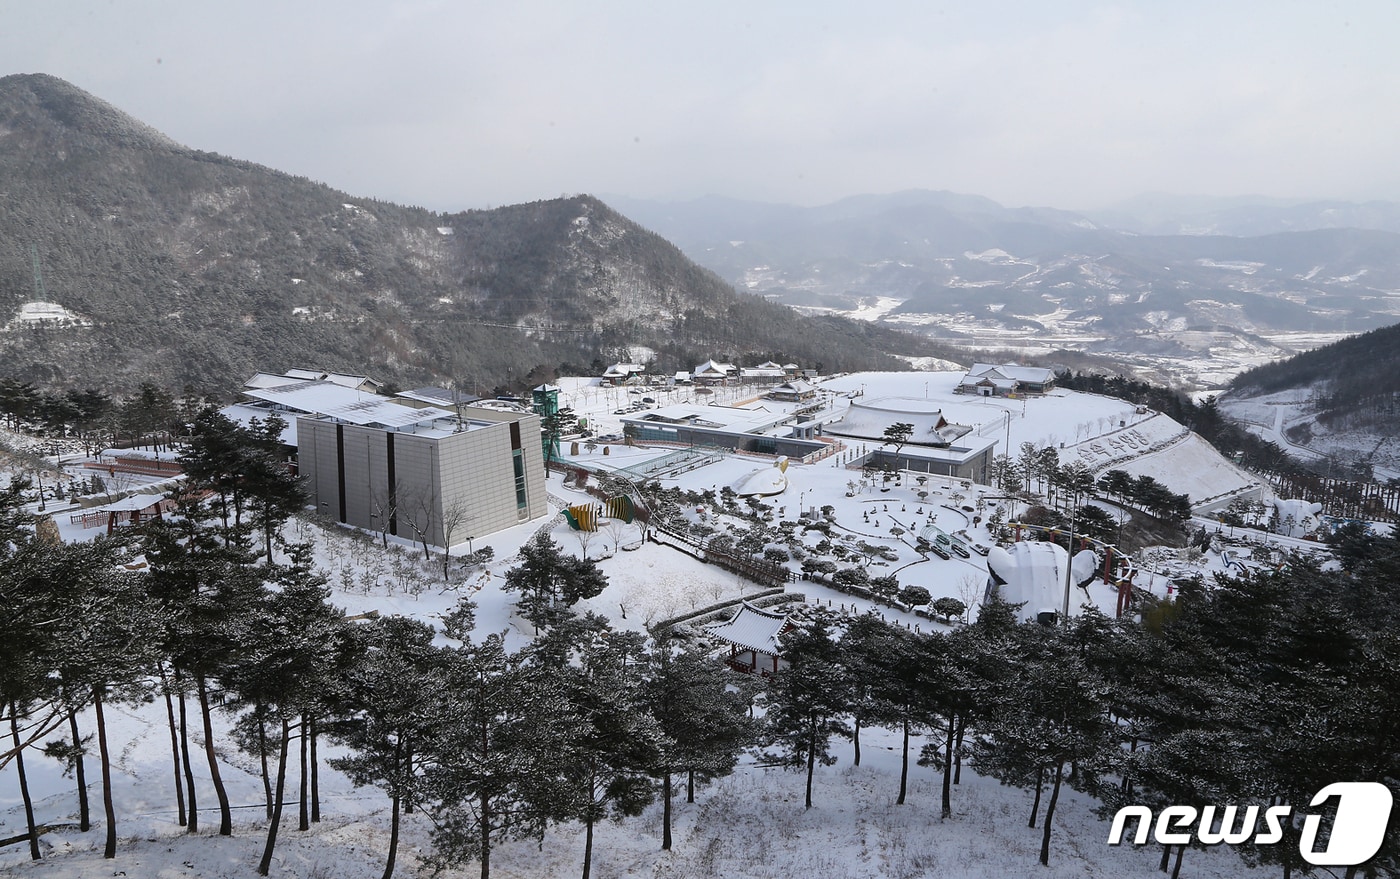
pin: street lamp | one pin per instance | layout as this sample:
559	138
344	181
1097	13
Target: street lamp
1069	553
1069	568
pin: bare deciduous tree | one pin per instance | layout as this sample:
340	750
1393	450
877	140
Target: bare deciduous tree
455	516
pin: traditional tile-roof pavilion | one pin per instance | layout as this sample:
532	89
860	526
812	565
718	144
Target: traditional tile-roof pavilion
770	373
712	371
869	419
620	373
936	444
795	391
988	379
752	633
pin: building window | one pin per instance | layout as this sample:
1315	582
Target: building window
518	458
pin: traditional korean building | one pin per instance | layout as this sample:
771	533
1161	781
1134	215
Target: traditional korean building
712	373
752	635
623	373
1004	380
794	391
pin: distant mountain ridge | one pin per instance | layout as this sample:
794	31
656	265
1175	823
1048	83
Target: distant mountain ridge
189	267
1244	216
965	268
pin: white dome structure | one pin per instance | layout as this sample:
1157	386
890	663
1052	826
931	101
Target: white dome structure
765	481
1031	573
1294	518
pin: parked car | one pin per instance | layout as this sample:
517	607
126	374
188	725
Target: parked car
648	399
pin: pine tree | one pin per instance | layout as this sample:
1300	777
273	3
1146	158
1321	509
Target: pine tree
388	716
207	589
1052	715
702	709
109	648
288	652
807	701
274	492
494	769
29	646
615	739
550	582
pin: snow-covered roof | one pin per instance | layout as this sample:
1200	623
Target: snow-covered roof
752	628
350	381
269	380
383	412
729	418
623	369
308	396
796	386
438	396
342	404
711	367
870	419
294	376
244	413
1009	372
131	503
500	406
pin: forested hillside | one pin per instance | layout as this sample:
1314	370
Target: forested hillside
186	267
1353	381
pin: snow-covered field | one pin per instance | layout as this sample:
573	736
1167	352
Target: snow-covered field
749	826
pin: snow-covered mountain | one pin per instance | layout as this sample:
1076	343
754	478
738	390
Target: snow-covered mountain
187	267
1197	308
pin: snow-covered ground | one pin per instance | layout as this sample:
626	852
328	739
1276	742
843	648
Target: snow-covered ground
751	825
50	313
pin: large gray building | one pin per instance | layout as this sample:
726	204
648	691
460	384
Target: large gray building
424	473
421	466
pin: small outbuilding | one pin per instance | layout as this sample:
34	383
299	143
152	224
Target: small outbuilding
752	635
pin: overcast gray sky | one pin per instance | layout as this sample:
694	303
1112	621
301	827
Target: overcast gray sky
451	105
